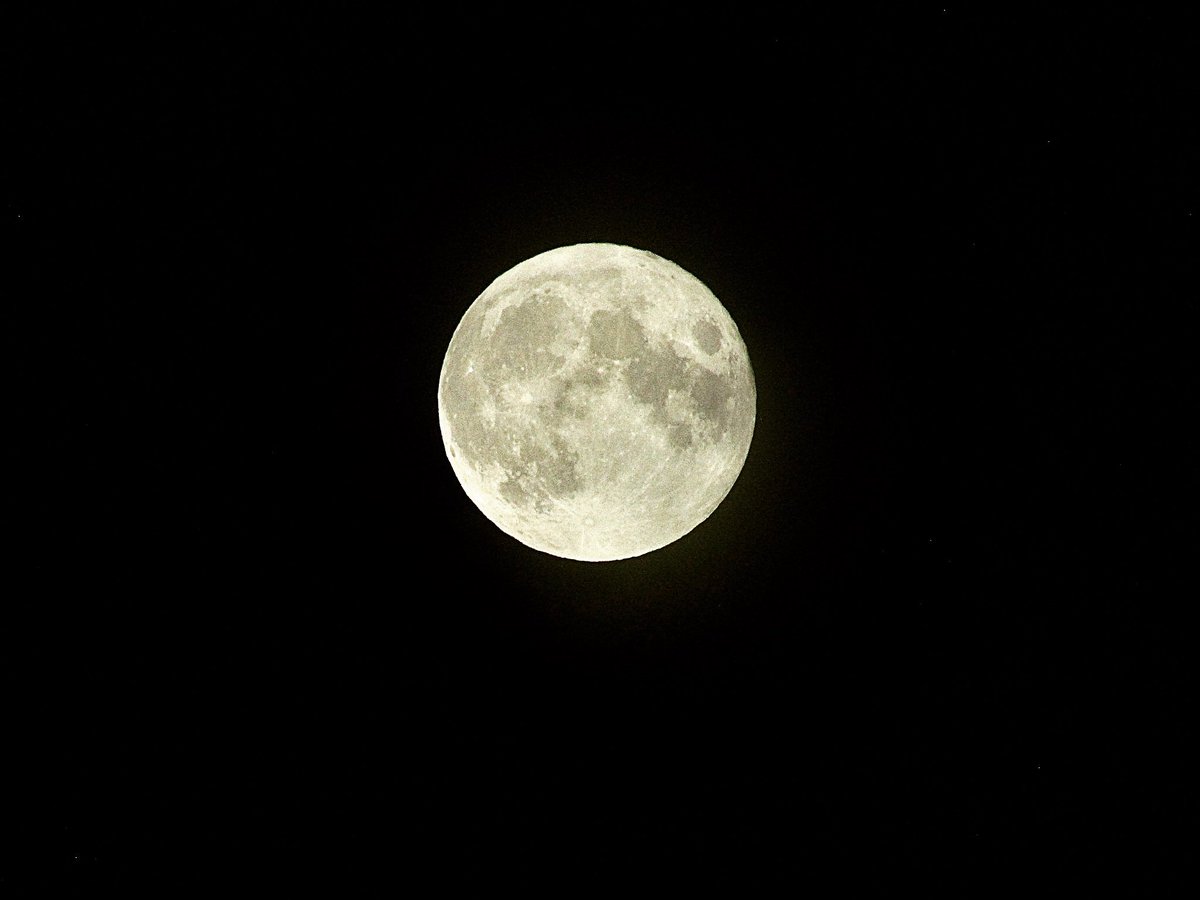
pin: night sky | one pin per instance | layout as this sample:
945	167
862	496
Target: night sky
256	636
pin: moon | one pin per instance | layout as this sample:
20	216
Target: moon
596	402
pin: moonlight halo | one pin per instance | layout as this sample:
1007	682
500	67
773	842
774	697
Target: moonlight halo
596	402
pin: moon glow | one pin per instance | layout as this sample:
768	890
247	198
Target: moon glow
596	402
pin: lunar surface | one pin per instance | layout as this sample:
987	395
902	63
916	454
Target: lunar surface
596	402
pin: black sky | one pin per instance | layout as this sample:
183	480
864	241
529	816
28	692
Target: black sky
260	636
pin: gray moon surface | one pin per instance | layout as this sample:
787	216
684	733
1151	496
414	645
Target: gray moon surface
596	402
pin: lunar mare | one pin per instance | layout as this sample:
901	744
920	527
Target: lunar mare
596	402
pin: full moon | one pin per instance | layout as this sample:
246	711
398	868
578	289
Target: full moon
596	402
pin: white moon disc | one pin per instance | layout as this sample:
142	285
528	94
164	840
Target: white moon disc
596	402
